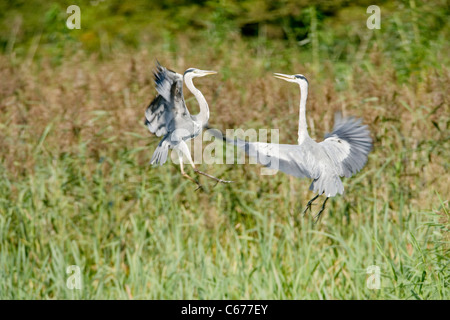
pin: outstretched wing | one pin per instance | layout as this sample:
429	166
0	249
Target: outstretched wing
298	161
348	145
294	160
168	104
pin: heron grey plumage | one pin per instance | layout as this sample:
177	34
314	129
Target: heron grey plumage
168	116
343	153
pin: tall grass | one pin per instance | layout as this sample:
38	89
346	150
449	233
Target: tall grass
77	189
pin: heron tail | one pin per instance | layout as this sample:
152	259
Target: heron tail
160	154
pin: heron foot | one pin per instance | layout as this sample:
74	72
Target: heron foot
199	186
212	177
308	205
317	216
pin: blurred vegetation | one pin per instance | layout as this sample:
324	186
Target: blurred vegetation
412	31
76	186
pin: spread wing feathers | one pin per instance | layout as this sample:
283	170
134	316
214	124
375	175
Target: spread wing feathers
168	104
164	79
348	145
291	159
158	116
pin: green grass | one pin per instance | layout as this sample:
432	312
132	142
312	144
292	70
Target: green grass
145	233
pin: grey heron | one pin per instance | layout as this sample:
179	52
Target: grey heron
168	116
343	152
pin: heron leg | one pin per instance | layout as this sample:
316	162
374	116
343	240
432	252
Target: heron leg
183	149
317	216
199	186
212	177
208	175
308	205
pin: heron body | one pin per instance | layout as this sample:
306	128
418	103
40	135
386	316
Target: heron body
168	116
343	152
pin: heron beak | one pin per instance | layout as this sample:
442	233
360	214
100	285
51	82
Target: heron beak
208	72
285	77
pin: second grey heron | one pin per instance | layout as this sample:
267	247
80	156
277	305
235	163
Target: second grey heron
168	116
343	152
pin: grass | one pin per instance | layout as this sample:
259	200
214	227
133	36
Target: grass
77	189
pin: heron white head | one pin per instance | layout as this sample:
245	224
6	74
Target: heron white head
194	73
297	78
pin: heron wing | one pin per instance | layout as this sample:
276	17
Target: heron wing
164	79
169	105
348	145
294	160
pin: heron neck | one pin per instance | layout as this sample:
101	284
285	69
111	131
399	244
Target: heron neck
302	126
203	116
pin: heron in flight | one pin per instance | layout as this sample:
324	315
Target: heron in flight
343	152
168	116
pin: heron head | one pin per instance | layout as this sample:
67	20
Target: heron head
194	73
297	78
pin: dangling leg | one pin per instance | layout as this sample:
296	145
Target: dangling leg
185	150
212	177
308	205
199	186
316	218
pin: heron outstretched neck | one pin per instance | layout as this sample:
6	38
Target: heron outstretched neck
302	125
203	116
